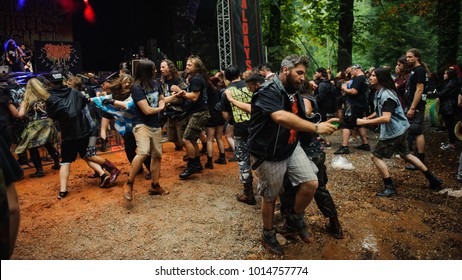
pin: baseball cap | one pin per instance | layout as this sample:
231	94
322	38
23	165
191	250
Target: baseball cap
55	76
356	66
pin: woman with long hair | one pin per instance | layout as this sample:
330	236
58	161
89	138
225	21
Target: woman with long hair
448	105
40	130
393	132
149	102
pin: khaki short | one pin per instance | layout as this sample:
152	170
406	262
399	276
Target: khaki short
148	140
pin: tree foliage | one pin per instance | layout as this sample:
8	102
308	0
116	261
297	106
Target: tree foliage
382	30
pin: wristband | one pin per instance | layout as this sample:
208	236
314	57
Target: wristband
316	125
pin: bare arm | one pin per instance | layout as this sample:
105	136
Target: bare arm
308	106
385	118
193	95
241	105
14	112
417	96
292	121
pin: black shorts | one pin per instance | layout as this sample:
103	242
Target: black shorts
350	121
70	149
417	123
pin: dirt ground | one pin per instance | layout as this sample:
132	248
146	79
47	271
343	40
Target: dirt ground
200	219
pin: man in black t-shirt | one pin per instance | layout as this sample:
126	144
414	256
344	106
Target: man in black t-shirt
236	105
356	108
414	102
275	150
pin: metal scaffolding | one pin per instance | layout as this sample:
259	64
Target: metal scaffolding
224	33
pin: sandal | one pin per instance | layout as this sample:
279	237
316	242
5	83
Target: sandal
128	189
62	194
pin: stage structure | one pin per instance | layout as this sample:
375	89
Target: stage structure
239	33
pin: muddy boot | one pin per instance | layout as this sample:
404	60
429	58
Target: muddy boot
190	169
221	159
109	166
295	223
435	182
388	191
270	242
334	227
247	196
209	163
38	173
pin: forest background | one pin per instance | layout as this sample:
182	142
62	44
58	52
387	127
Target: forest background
339	33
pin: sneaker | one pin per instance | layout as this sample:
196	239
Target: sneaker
343	150
114	174
411	167
447	146
388	191
364	147
104	180
270	242
63	194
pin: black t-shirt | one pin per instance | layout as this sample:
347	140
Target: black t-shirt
418	75
198	84
153	98
389	105
241	118
359	100
267	139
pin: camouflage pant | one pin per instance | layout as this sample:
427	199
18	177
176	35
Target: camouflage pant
196	125
243	159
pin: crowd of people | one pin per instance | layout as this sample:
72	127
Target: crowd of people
272	122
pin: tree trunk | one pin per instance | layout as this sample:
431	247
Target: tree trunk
274	37
345	34
447	20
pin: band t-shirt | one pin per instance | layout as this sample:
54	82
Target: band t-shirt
152	97
241	118
198	84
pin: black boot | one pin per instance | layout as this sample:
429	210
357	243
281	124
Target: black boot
209	163
55	157
38	173
388	191
221	159
295	223
435	182
190	169
270	242
103	145
197	163
204	148
247	196
334	228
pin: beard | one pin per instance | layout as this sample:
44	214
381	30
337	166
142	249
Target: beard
291	85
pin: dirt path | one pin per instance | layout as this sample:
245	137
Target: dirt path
201	219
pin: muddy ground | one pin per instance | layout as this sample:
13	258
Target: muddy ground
201	219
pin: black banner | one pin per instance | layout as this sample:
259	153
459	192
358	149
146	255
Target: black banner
61	56
246	33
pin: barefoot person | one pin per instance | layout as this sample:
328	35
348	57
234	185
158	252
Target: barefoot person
393	132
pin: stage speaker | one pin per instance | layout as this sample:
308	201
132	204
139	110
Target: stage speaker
4	69
134	65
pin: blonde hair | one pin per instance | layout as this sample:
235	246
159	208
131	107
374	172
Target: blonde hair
35	91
